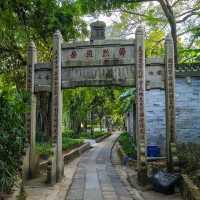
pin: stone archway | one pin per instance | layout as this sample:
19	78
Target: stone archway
97	62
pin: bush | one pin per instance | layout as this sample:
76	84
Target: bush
69	143
94	135
189	156
128	145
44	149
12	137
68	133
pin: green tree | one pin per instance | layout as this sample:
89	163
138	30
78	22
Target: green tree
22	21
88	106
173	12
12	136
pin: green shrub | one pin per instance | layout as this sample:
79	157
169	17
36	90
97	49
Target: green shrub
12	137
189	156
44	149
69	143
94	135
68	133
128	145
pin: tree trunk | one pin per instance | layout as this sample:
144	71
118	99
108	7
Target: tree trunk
167	9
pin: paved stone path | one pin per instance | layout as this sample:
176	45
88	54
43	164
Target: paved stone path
96	178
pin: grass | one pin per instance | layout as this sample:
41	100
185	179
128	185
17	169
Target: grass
127	145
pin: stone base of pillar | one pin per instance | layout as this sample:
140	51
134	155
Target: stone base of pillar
60	162
142	165
142	176
173	161
51	173
60	172
55	170
34	165
30	168
25	167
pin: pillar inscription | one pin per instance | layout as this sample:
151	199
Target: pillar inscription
140	100
31	115
170	98
57	165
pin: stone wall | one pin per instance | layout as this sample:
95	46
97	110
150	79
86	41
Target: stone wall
187	112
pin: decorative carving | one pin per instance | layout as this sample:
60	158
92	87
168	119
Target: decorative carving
170	104
97	31
140	115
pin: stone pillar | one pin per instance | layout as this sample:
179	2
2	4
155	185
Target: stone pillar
57	162
31	115
140	100
170	102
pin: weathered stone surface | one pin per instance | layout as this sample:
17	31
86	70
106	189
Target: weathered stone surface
43	77
56	116
170	99
99	53
98	76
97	30
140	96
155	76
87	76
31	115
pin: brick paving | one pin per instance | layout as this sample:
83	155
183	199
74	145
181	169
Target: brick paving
96	178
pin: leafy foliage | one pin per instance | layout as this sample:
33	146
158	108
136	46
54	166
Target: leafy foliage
128	144
12	137
84	135
189	156
94	135
44	149
69	143
84	107
128	99
22	21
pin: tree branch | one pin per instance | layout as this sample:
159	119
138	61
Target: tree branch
176	2
186	17
140	14
189	11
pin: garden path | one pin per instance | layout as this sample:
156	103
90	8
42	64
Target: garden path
96	178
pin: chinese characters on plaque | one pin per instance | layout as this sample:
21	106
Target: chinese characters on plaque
55	95
103	55
106	53
140	97
171	97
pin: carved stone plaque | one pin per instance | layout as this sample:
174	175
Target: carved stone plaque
86	76
98	76
99	53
